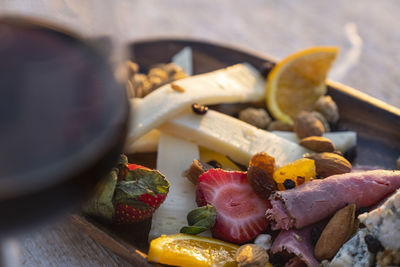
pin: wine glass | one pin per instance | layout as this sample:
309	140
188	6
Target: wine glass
63	112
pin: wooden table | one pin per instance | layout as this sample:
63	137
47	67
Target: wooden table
276	28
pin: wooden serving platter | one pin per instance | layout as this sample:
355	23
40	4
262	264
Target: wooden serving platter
377	125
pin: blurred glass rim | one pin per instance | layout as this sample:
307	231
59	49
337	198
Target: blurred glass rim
50	175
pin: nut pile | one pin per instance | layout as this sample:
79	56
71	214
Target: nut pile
140	85
309	126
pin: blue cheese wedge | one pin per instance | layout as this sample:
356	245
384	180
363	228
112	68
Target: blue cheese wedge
384	222
353	253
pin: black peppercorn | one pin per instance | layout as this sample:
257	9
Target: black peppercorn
289	184
374	245
214	164
199	109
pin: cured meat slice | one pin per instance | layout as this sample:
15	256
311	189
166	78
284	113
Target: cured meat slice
297	242
319	199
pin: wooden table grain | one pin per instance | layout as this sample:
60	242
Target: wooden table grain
276	28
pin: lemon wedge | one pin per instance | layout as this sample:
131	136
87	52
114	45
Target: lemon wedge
191	250
296	82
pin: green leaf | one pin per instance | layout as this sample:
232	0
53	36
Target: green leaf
152	180
200	220
193	230
101	204
139	182
203	216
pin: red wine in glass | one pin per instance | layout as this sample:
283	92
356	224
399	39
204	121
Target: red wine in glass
63	121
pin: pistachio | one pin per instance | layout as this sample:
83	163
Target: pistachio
160	73
132	67
336	233
317	144
327	107
328	164
306	124
251	255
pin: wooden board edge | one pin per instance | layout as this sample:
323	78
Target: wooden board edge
108	240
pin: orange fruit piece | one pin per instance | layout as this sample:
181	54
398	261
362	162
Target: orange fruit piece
297	81
191	250
299	171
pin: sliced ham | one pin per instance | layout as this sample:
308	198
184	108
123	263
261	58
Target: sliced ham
297	242
319	199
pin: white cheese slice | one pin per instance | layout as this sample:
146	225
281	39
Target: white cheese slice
238	83
232	137
146	143
343	141
174	156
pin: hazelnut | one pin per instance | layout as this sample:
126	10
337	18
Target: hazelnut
256	117
323	120
280	126
306	124
327	107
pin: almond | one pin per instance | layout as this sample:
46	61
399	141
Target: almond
306	124
317	144
328	164
336	233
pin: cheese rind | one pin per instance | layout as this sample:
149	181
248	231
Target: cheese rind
173	158
238	83
232	137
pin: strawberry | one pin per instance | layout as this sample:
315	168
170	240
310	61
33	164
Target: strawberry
140	192
240	212
132	167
